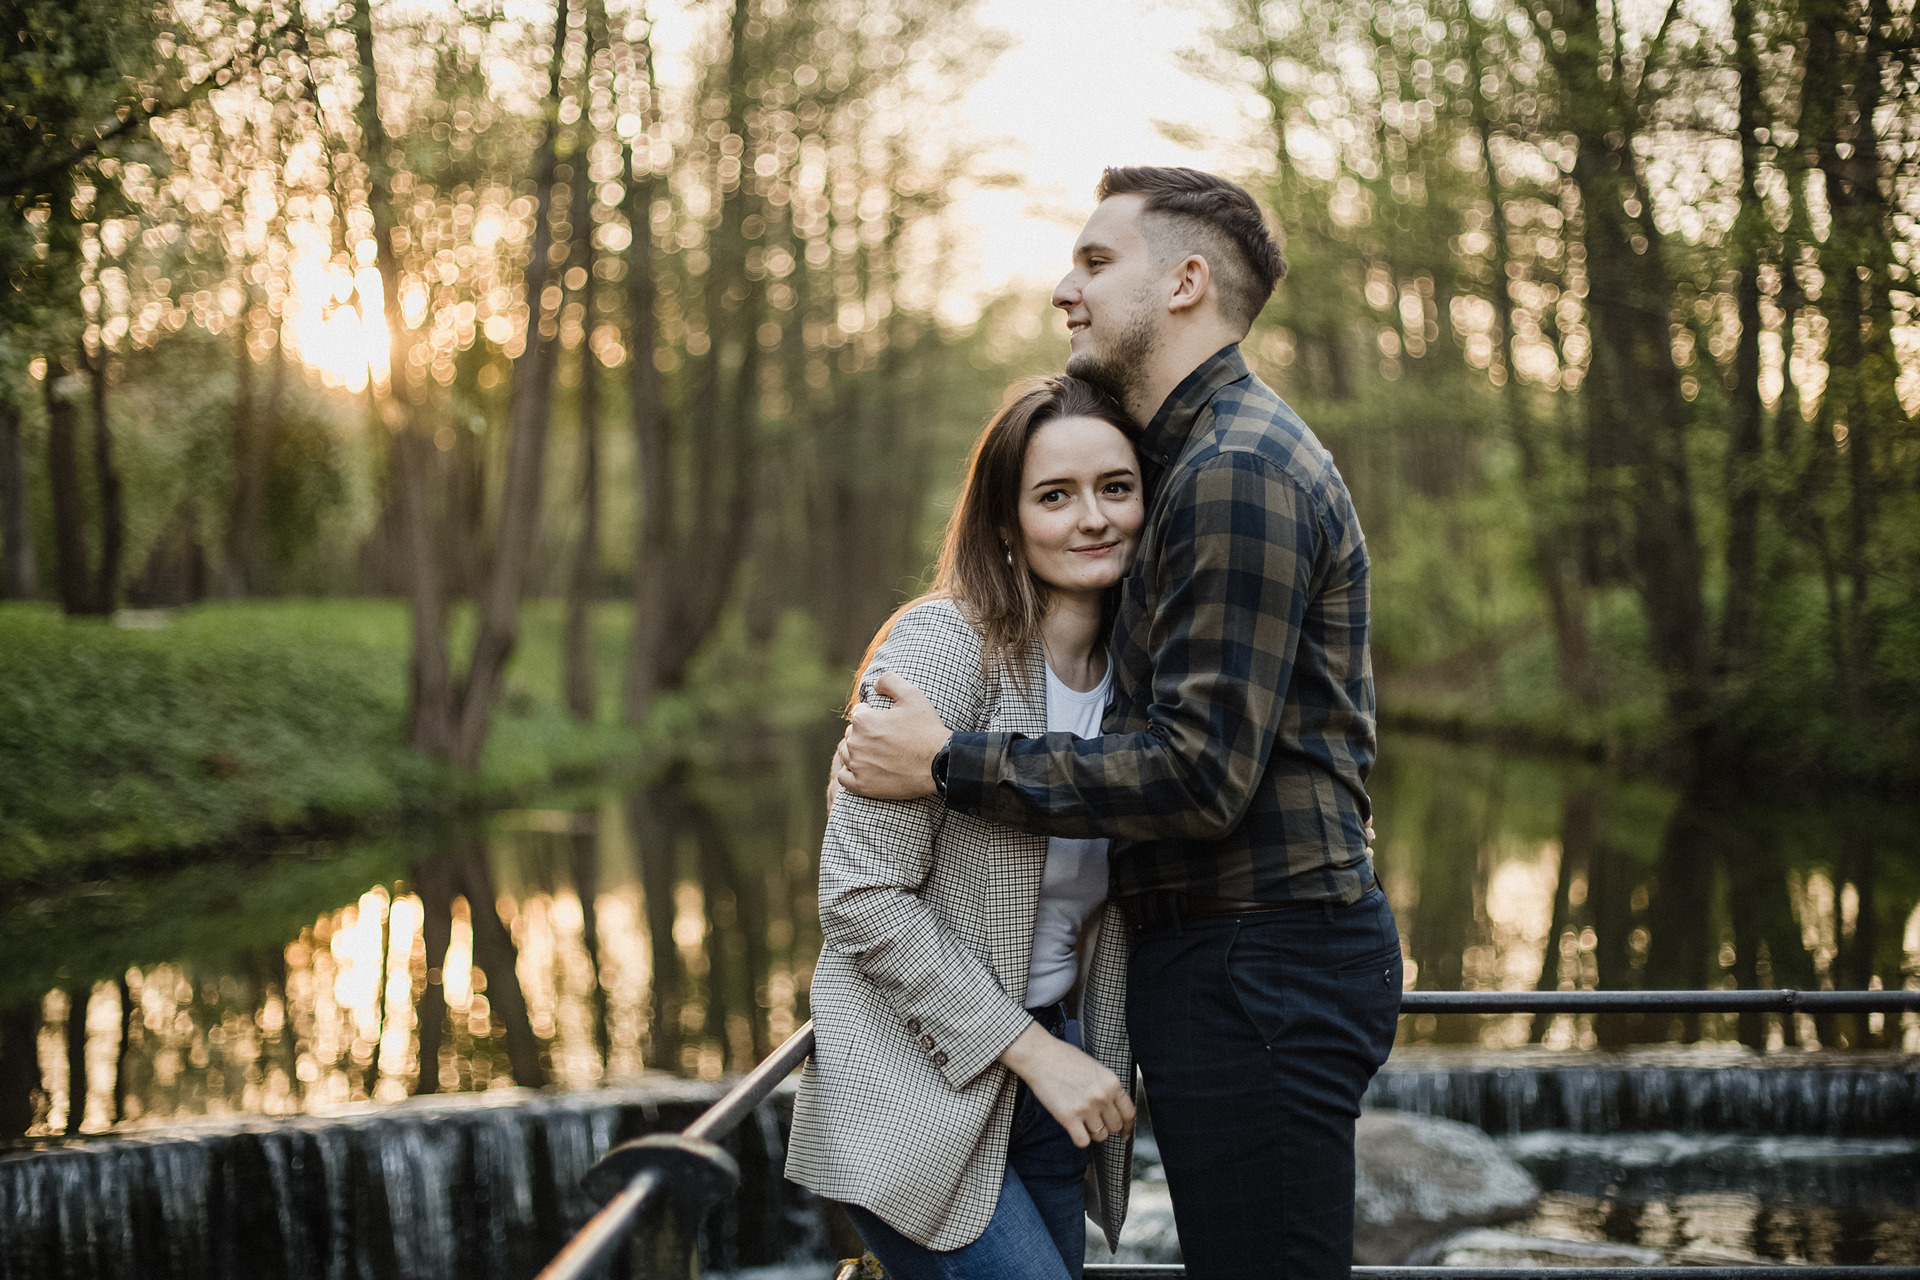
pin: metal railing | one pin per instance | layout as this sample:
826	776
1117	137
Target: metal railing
690	1172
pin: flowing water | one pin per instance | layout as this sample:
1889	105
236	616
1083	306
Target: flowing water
620	939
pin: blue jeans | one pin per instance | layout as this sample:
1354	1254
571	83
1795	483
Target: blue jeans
1257	1034
1036	1231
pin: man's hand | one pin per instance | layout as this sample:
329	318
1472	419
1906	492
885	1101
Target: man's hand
887	753
1087	1099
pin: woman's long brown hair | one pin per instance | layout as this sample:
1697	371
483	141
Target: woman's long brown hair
983	563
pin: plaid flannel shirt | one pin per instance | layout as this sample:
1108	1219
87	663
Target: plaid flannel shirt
1238	743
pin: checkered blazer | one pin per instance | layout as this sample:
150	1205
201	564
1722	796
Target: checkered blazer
928	922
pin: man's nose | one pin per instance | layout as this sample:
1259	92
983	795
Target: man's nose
1067	292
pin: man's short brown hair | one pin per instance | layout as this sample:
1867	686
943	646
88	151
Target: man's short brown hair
1208	215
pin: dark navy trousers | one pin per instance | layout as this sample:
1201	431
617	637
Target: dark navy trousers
1257	1034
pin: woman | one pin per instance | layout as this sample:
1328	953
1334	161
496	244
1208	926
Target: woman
948	1103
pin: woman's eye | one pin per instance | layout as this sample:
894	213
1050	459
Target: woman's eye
1052	496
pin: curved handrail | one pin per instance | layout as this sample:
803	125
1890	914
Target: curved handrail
608	1229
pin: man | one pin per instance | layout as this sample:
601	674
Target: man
1264	982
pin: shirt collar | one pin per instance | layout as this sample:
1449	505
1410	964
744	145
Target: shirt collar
1167	433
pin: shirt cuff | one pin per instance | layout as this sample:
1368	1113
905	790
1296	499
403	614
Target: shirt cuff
971	758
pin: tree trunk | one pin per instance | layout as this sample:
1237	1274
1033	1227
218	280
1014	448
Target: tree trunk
398	409
123	1048
584	840
653	446
1860	408
583	583
1553	553
69	507
106	585
1743	419
497	957
434	881
18	580
1634	388
530	414
255	431
653	814
19	1068
686	566
450	722
77	998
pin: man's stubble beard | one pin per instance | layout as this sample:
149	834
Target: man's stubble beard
1121	365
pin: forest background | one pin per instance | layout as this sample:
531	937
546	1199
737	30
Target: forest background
512	409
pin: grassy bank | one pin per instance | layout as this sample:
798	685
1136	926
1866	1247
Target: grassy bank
237	721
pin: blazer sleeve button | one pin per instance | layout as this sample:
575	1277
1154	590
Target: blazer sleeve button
926	1042
913	1025
940	1059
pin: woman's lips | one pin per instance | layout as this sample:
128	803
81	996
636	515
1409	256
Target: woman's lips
1098	549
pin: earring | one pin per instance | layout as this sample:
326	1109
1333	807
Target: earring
1009	557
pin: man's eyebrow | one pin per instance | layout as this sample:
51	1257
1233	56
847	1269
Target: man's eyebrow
1081	251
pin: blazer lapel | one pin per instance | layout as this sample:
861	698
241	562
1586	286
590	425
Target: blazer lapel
1026	710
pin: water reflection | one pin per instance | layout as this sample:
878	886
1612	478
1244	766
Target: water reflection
673	928
1511	872
654	931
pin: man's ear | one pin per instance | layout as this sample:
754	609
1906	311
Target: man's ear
1192	284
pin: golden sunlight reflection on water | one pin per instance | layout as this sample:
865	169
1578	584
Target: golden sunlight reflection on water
529	949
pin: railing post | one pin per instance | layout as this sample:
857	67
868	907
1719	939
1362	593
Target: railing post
696	1175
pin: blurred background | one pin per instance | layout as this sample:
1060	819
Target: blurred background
452	454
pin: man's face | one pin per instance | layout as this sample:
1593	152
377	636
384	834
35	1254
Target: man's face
1112	297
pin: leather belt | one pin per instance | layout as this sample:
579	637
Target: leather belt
1170	906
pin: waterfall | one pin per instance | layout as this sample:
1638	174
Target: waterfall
475	1187
1707	1091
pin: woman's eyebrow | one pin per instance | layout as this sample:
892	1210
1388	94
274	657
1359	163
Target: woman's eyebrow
1068	480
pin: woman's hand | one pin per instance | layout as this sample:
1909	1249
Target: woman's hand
1087	1099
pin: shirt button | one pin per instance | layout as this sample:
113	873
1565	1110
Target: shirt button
926	1042
940	1059
913	1025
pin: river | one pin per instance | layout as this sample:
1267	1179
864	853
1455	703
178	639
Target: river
603	935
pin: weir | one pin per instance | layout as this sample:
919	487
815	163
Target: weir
491	1185
1689	1091
482	1187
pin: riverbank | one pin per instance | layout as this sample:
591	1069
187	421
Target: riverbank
240	722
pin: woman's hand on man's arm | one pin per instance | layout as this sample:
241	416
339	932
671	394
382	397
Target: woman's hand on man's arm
1087	1099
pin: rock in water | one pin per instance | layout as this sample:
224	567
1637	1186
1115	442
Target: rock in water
1419	1179
1504	1249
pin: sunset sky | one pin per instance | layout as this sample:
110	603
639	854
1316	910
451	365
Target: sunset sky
1083	87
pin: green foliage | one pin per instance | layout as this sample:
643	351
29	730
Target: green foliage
1574	371
240	720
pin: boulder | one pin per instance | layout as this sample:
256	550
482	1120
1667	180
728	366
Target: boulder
1149	1235
1483	1248
1420	1179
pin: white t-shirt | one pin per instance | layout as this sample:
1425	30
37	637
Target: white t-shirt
1075	882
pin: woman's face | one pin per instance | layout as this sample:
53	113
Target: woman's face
1080	507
